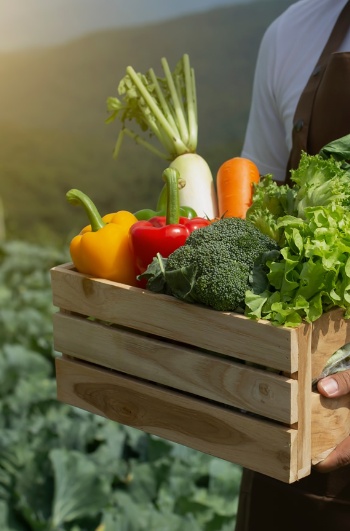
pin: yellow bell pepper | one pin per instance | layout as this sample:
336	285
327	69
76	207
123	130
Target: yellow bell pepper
102	249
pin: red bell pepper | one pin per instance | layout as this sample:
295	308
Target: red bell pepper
163	234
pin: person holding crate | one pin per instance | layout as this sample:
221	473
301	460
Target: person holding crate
301	102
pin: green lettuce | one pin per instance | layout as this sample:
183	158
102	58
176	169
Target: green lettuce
312	273
310	220
270	202
319	181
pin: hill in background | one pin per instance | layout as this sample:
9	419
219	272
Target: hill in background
53	134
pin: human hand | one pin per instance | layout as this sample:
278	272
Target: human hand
334	386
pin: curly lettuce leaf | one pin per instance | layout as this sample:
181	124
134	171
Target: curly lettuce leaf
270	202
320	182
312	273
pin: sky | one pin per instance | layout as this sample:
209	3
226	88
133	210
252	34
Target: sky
32	23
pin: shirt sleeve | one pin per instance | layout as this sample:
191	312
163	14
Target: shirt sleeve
264	141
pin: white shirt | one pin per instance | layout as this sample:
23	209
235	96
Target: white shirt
288	53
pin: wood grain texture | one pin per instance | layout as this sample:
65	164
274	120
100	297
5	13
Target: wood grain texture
258	444
304	401
165	316
186	369
330	422
195	376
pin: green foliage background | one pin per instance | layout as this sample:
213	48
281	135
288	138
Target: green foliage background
63	469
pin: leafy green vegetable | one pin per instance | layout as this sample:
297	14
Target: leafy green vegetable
320	182
63	469
71	501
214	265
311	222
271	201
313	272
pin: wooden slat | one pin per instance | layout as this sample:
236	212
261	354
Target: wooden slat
330	423
304	401
230	334
216	378
260	445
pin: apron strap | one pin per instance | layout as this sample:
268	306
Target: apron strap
304	108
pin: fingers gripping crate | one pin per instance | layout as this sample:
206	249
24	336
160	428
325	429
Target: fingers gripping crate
197	376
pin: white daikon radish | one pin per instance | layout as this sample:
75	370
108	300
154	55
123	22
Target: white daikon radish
199	190
166	109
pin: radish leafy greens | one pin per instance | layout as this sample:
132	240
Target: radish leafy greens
165	109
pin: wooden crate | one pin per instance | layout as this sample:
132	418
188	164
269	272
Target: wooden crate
178	371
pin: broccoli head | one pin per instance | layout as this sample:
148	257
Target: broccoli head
243	241
224	286
214	265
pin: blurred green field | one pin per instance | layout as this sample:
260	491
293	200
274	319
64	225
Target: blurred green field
62	469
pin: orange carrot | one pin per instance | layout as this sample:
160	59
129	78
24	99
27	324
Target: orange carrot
234	185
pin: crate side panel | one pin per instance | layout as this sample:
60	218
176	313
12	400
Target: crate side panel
230	334
330	423
262	446
304	402
187	369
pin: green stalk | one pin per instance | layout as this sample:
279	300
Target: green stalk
179	146
194	92
139	140
191	100
159	132
166	109
177	80
118	143
78	198
152	123
171	178
177	106
148	111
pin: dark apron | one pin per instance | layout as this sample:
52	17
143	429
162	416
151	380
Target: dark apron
323	111
319	501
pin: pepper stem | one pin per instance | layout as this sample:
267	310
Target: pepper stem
171	177
78	198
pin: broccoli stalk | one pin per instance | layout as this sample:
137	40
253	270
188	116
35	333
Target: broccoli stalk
215	265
